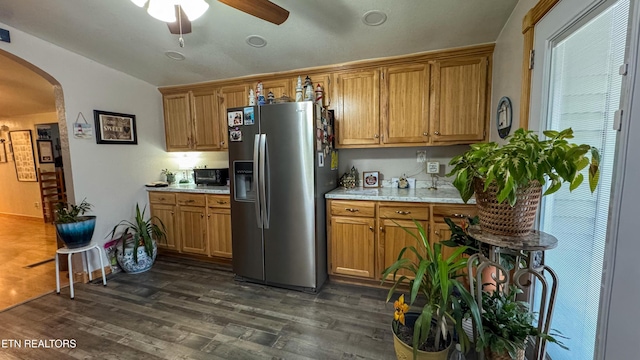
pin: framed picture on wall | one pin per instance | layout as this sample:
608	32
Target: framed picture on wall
24	159
115	128
3	152
45	151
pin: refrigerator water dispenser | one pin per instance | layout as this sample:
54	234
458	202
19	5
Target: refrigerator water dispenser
243	181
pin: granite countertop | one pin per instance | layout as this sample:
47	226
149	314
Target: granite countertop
445	194
192	188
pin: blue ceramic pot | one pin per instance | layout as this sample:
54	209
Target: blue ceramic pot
77	234
144	261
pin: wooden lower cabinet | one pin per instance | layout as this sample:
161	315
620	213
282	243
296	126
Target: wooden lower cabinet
352	246
393	238
196	224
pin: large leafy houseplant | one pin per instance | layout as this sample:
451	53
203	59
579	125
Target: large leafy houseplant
69	213
525	158
433	279
140	233
72	226
507	324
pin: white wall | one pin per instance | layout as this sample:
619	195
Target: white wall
19	197
507	66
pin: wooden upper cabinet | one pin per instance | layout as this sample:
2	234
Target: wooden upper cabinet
326	82
277	87
404	106
177	122
357	117
459	100
204	107
230	97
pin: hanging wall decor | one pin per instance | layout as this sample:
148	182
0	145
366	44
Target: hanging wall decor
3	152
115	128
23	156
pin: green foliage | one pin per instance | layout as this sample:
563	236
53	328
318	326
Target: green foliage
167	172
507	323
434	277
70	213
140	232
523	159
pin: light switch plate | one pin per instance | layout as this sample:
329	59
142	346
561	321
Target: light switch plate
421	156
433	167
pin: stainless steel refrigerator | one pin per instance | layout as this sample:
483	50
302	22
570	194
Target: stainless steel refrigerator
279	176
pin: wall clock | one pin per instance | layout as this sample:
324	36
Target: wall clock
504	117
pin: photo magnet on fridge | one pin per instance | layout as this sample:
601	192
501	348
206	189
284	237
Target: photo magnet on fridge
248	116
234	118
235	135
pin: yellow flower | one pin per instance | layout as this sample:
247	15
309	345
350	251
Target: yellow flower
401	308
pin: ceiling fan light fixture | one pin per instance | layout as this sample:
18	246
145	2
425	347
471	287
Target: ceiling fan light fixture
194	8
163	10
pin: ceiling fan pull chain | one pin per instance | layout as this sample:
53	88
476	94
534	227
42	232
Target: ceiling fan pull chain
181	39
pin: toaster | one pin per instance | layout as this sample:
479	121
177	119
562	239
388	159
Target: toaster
212	177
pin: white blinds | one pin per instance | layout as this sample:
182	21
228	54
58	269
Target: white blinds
584	94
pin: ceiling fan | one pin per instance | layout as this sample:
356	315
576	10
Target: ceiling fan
178	14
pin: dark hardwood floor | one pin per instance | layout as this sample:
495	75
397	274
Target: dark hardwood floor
183	309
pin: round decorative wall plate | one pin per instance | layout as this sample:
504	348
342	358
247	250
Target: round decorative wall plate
504	117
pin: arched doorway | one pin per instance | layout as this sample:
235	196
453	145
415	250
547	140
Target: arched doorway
32	110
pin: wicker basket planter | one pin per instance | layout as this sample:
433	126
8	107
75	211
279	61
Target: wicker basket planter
503	219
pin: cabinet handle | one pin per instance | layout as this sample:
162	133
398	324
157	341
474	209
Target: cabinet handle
221	201
190	201
371	228
425	134
436	132
352	210
376	136
437	233
172	213
221	142
201	216
209	215
403	212
381	229
461	216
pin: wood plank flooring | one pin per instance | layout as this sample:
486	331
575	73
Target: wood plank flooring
22	243
183	309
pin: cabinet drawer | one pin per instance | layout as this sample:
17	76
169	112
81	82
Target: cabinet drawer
353	208
454	211
191	199
219	201
162	198
404	212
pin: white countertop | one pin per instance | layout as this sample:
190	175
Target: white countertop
192	188
445	194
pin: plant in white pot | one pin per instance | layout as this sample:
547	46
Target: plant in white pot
507	180
138	249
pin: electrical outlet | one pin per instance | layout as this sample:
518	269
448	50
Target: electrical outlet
36	204
421	156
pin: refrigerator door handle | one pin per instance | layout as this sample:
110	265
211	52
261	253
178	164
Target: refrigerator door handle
256	176
263	180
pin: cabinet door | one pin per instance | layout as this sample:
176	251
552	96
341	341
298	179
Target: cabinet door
352	247
166	214
392	239
277	87
459	100
177	122
193	227
207	132
219	231
358	108
230	97
404	105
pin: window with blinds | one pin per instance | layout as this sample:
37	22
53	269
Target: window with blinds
584	94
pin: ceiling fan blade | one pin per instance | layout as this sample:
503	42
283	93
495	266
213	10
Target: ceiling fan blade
174	27
263	9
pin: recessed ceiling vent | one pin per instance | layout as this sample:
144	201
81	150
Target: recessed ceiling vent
174	55
256	41
374	18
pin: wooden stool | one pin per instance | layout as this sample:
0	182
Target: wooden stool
82	250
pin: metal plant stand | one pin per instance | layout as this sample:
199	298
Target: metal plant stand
527	249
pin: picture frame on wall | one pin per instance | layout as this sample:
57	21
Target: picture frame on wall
371	179
24	159
45	151
115	128
3	152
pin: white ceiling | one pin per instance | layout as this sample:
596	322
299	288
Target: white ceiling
123	36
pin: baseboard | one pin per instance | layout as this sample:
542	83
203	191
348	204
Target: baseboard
22	217
83	276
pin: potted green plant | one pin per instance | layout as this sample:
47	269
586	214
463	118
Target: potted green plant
432	279
507	180
171	176
507	325
138	249
72	226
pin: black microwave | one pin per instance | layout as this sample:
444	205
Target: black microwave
215	177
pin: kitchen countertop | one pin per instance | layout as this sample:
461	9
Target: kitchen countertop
192	188
445	195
